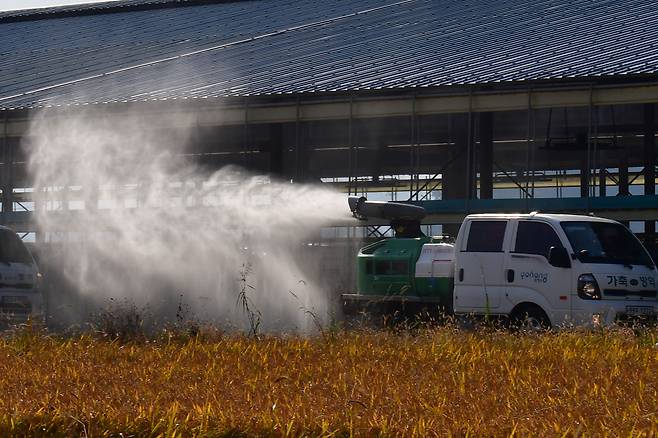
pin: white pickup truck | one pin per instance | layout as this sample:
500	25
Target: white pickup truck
538	270
552	269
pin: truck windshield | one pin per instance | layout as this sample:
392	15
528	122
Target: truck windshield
12	249
605	242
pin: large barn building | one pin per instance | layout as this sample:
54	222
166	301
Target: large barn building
463	106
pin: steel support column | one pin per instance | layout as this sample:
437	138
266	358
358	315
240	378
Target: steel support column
581	145
275	147
456	177
602	181
414	184
351	151
649	166
295	171
7	163
486	155
623	172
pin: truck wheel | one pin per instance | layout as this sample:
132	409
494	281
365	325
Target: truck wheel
529	318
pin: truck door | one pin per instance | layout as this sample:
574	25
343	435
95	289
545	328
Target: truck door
529	275
480	281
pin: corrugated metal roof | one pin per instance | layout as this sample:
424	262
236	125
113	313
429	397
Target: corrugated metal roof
265	47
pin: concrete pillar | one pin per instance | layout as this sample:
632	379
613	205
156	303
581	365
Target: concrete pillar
486	155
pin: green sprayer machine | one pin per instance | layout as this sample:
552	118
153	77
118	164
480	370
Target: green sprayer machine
408	272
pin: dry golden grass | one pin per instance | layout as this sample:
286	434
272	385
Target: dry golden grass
421	383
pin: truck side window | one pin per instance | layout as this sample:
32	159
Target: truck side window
535	238
486	236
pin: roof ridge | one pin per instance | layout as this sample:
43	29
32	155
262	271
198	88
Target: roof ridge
105	7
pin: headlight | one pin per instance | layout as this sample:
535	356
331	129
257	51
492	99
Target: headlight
588	288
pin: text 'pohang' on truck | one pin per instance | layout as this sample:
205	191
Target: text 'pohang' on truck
536	270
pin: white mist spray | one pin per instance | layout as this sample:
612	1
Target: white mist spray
151	226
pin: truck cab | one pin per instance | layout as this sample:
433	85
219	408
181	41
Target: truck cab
552	270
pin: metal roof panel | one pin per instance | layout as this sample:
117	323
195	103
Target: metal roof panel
121	51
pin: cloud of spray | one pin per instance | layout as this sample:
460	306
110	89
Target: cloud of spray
150	225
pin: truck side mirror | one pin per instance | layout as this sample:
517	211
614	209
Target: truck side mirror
559	257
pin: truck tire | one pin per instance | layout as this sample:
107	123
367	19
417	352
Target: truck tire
529	318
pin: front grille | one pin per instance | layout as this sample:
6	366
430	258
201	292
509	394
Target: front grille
647	293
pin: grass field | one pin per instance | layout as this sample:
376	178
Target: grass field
417	383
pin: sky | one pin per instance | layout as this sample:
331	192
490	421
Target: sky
8	5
